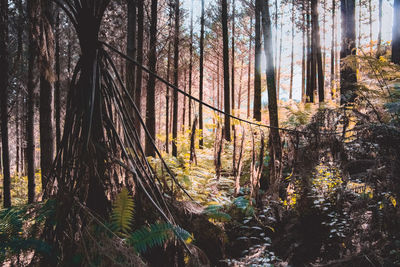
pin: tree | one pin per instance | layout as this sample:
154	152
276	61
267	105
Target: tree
225	52
46	65
257	65
333	49
201	74
276	150
292	54
138	80
151	84
131	49
191	64
396	32
4	69
379	43
30	137
176	80
348	76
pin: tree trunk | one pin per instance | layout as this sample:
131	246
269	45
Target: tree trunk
278	83
292	55
30	137
396	33
201	84
4	69
131	50
276	151
225	38
57	84
333	51
190	64
257	66
348	76
233	62
167	100
303	60
370	26
176	81
249	68
151	84
46	63
139	58
378	48
317	48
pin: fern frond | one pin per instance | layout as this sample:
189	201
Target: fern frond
156	235
122	212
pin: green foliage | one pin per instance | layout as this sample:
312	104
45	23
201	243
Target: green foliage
122	213
214	212
156	235
18	229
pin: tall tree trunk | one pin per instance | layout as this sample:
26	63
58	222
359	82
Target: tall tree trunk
249	67
278	82
257	66
131	51
176	81
225	38
378	48
201	84
151	84
30	137
190	64
167	100
370	26
57	84
276	150
4	69
310	86
139	58
396	32
303	60
333	50
233	62
46	63
292	55
348	75
317	47
184	103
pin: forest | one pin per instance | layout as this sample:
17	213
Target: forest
199	133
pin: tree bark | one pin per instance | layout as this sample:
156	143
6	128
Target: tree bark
348	76
201	84
176	81
131	52
396	33
46	64
292	54
190	64
57	84
225	37
333	50
257	66
4	69
30	138
276	150
249	67
139	58
378	48
151	84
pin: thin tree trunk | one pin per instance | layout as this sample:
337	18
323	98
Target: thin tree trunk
139	58
278	82
257	66
184	103
131	50
46	63
201	84
292	54
4	69
30	138
225	38
317	40
233	62
57	89
190	64
370	26
333	50
249	67
303	60
176	81
167	100
151	84
378	49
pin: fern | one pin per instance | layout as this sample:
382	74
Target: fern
213	212
122	213
156	235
